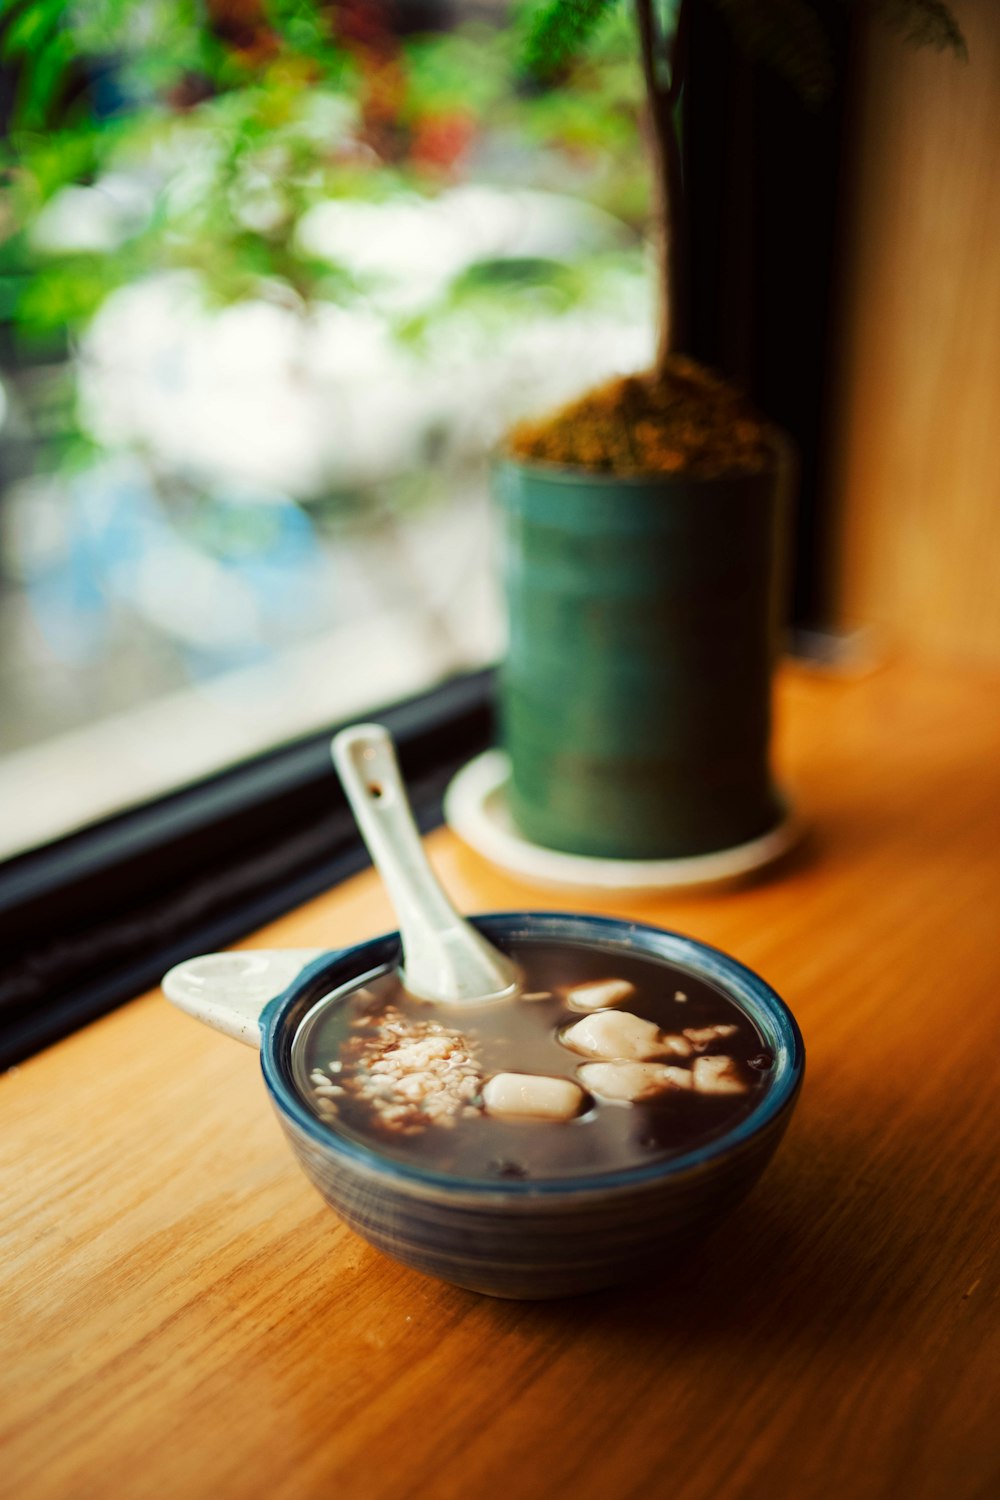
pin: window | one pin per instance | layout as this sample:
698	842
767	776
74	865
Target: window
274	282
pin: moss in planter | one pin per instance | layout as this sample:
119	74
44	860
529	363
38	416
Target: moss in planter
687	420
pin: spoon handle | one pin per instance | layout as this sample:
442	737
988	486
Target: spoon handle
444	957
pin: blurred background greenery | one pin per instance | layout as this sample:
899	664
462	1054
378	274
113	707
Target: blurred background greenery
203	137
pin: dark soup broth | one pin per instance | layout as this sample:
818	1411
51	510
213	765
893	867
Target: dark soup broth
603	1060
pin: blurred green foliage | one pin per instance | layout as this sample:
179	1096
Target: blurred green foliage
232	118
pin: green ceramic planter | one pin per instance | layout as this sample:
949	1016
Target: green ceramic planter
636	694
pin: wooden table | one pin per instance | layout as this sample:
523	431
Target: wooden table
182	1317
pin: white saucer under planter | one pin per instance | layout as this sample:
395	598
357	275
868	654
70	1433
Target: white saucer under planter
475	808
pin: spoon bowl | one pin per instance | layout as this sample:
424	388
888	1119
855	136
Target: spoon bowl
508	1238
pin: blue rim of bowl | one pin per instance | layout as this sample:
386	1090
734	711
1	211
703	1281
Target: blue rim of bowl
763	1005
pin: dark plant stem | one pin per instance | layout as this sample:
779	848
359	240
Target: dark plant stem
663	99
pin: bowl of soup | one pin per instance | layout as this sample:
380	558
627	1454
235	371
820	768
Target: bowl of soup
582	1130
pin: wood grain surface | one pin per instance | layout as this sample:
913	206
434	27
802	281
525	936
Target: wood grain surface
182	1317
919	485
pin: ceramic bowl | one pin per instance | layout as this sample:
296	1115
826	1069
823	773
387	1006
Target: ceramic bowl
512	1238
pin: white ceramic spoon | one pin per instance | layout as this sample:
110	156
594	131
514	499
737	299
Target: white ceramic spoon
444	957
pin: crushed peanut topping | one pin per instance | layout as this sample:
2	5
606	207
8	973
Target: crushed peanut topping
412	1074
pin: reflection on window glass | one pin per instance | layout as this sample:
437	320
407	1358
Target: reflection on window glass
275	275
